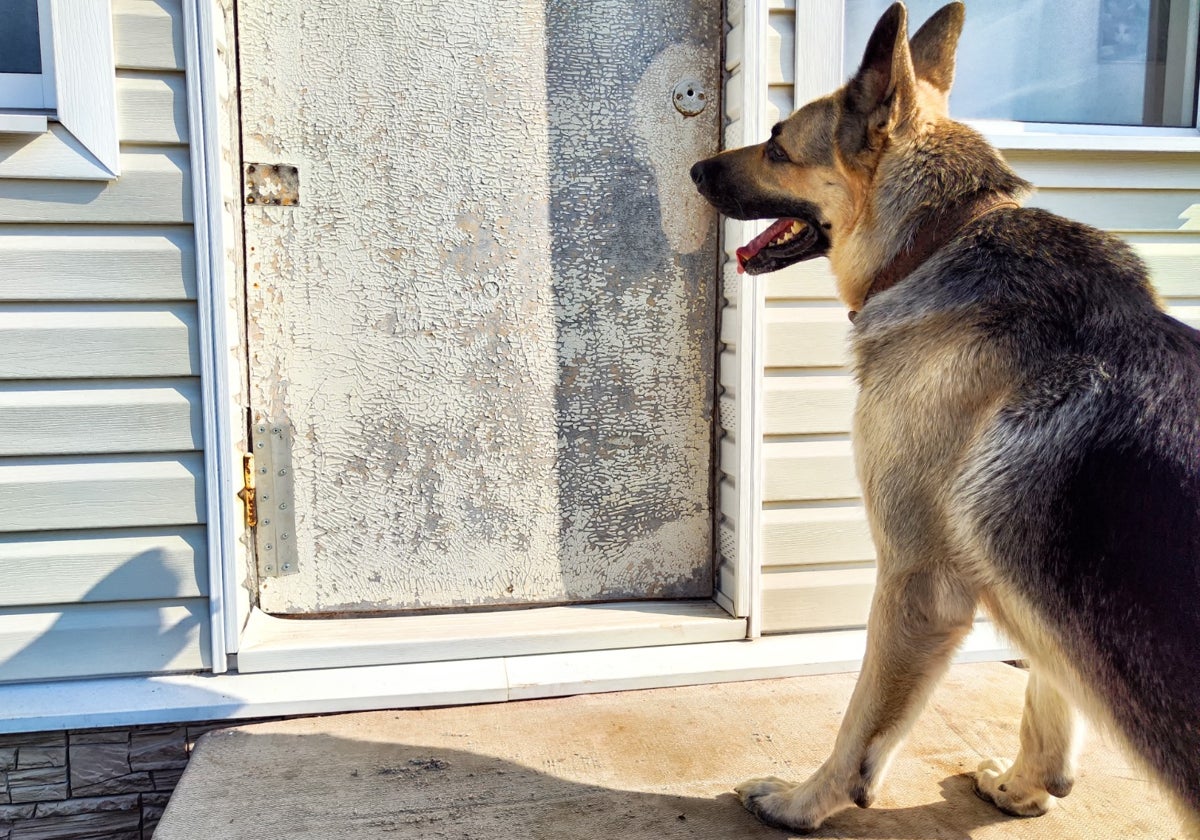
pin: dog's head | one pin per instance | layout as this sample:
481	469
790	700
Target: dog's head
817	172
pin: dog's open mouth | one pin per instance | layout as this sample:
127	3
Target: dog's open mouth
786	241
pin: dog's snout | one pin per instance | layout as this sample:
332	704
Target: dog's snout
698	173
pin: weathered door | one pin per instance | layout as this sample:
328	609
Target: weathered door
490	319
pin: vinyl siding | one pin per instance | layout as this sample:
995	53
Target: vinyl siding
103	553
816	551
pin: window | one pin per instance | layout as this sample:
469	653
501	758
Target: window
58	112
1097	63
26	57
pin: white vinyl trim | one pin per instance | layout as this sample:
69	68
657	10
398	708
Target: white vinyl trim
271	643
125	701
211	294
85	76
750	349
21	123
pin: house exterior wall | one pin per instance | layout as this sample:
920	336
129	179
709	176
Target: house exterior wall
103	550
816	552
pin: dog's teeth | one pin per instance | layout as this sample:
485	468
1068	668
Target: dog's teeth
795	228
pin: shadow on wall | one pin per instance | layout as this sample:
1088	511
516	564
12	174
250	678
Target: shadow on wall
105	633
633	254
253	784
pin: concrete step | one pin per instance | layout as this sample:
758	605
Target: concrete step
643	765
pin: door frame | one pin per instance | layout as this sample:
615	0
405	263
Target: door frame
262	642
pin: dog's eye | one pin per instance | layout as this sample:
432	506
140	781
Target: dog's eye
776	153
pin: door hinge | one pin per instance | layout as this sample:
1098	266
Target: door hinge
275	527
246	494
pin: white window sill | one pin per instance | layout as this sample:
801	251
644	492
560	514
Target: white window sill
53	154
23	123
1085	138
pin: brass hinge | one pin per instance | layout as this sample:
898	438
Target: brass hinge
246	494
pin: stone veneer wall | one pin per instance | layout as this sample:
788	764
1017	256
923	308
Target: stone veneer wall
92	784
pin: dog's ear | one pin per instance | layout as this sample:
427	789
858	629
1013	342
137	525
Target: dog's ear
884	88
934	44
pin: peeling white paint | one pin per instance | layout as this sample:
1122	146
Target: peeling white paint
499	378
673	142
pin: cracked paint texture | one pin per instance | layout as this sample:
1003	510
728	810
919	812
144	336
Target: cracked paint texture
491	321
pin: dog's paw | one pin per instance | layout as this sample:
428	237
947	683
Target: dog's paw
800	808
996	782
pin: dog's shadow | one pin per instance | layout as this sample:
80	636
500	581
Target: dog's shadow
265	779
956	816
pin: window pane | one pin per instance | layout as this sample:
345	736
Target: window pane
1107	62
20	47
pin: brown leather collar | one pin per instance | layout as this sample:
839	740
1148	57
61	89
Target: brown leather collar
930	239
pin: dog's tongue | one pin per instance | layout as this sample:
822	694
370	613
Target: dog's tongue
747	251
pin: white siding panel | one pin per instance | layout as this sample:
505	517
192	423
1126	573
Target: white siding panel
155	186
97	263
148	34
727	416
808	280
734	40
781	37
103	555
728	368
734	101
806	471
98	566
151	108
52	418
1175	266
1122	210
727	493
819	599
807	336
102	639
46	494
810	536
1108	170
73	340
808	405
1188	314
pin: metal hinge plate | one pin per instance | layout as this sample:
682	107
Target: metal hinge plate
275	532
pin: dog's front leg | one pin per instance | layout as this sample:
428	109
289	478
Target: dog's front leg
918	619
1045	764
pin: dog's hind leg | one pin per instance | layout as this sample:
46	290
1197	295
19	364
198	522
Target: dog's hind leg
918	619
1045	764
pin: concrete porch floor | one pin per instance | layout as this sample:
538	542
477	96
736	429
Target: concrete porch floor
643	765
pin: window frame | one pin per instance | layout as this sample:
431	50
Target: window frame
1034	136
76	139
14	87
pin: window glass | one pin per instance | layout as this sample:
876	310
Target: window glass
20	46
1105	62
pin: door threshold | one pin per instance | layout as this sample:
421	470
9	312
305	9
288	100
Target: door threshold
271	643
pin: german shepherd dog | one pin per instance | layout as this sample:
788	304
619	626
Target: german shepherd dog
1027	434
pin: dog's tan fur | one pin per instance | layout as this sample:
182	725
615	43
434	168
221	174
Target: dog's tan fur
933	387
